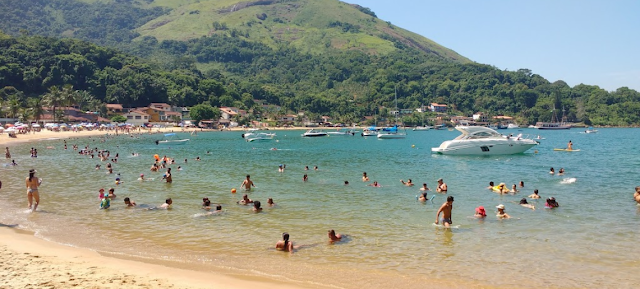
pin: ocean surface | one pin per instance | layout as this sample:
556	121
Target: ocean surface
590	241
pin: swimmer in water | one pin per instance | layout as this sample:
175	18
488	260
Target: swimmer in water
636	195
442	187
375	184
129	202
105	203
524	203
285	245
245	200
97	167
256	207
552	171
424	187
480	213
501	213
491	185
346	183
561	172
206	204
280	169
514	189
364	177
141	178
551	203
315	168
306	168
521	184
167	204
408	183
305	178
333	237
112	194
423	197
270	202
534	195
247	183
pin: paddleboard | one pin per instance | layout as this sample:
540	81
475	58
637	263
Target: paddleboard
566	150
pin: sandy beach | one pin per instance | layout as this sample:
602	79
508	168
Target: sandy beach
30	262
47	134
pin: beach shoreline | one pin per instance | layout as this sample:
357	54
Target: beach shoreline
47	134
31	261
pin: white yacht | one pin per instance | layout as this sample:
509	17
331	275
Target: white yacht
513	125
314	133
370	131
421	128
478	140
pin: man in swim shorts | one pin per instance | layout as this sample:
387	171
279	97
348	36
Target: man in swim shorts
247	183
32	189
442	187
445	209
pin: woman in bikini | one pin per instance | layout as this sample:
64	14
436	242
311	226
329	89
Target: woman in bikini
32	189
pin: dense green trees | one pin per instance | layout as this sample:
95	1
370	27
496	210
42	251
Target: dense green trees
347	85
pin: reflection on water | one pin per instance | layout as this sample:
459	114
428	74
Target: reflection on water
390	235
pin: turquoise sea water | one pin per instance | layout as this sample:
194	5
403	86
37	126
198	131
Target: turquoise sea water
590	241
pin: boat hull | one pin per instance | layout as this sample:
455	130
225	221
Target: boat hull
391	136
173	142
497	147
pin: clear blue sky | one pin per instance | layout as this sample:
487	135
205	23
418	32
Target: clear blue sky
578	41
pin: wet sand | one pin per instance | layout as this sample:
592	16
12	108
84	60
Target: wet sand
30	262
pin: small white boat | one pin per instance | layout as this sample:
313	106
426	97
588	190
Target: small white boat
370	131
513	125
170	140
421	128
391	133
314	133
591	130
478	140
259	137
346	132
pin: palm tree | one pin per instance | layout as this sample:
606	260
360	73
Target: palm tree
53	99
35	105
14	105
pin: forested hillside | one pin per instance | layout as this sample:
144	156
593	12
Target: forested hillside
228	68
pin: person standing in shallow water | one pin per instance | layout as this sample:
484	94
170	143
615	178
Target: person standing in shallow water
32	189
445	209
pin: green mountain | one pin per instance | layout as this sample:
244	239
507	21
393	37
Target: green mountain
312	26
309	25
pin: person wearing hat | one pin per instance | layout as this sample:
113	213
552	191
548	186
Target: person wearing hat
480	213
501	213
32	189
442	187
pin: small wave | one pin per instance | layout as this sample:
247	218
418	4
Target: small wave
568	180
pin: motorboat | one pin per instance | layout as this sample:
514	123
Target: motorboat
260	136
513	125
421	128
591	130
171	140
478	140
314	133
346	132
255	133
